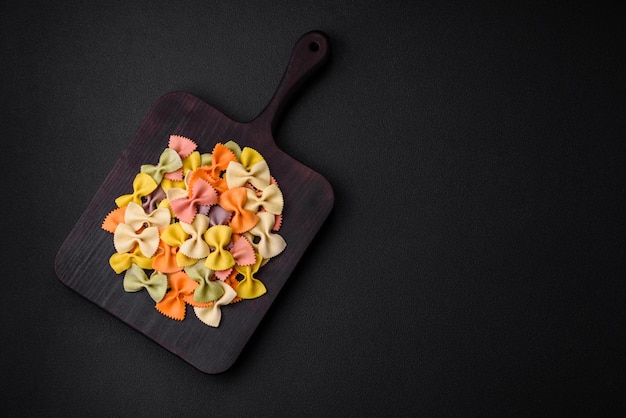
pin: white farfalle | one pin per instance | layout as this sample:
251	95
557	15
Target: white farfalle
125	238
195	246
176	193
238	176
271	200
269	244
136	217
213	314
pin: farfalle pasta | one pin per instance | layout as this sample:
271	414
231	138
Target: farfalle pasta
196	228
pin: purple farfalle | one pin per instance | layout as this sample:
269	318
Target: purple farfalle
204	210
218	215
151	201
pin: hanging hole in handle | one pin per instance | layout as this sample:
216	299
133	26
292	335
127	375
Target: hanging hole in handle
314	46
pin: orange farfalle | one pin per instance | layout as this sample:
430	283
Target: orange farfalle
204	173
165	259
190	300
220	158
173	303
113	219
213	174
234	200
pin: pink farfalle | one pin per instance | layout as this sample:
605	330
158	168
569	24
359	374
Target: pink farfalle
223	274
200	194
278	222
175	175
183	146
243	253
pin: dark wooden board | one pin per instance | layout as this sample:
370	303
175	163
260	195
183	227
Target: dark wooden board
82	262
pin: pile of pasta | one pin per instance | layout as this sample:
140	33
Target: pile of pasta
196	228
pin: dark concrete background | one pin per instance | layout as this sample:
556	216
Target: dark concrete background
474	262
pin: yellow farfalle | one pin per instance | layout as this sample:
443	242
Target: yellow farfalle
143	185
250	287
218	237
121	262
174	236
193	161
167	184
250	157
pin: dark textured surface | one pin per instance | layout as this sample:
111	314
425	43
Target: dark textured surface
473	263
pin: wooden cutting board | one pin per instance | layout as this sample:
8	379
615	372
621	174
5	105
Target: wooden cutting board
82	262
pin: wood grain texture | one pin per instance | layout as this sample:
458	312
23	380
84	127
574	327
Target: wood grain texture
82	261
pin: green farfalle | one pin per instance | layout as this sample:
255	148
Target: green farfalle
234	147
136	279
169	161
208	290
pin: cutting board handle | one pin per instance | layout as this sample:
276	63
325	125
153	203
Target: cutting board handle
309	53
